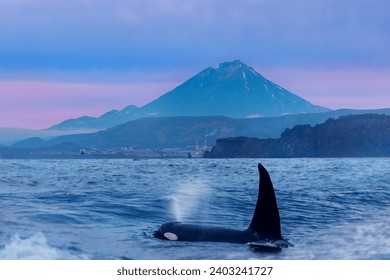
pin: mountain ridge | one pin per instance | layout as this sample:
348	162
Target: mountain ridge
181	132
175	137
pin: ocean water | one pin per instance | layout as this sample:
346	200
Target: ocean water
109	209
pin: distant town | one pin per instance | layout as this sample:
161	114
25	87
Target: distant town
196	151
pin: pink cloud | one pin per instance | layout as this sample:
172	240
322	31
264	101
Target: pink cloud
35	104
40	104
347	88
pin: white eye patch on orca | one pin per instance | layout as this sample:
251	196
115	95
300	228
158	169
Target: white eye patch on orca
170	236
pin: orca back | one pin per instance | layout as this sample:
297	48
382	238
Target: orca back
265	224
266	219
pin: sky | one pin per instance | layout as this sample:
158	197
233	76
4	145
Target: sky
63	59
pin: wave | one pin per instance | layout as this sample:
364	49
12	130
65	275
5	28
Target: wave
35	247
367	240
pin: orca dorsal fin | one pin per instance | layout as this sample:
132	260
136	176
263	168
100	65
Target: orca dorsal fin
266	219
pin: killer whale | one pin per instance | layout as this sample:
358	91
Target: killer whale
264	227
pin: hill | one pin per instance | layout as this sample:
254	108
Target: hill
106	120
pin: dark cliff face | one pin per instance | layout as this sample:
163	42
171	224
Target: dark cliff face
244	147
348	136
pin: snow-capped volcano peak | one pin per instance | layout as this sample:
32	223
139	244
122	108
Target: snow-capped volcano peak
232	89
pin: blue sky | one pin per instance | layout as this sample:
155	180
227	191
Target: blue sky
62	59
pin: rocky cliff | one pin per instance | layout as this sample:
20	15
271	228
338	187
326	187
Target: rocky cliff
349	136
